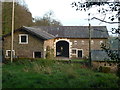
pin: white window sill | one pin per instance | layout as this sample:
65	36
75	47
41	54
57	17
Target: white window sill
23	43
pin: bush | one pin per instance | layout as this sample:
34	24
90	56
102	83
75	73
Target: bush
105	69
49	53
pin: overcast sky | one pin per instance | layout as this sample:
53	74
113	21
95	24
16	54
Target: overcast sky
64	12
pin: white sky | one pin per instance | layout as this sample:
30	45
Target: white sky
64	12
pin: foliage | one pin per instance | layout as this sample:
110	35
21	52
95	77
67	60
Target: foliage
53	74
113	43
105	69
112	6
46	20
49	53
22	16
87	4
113	54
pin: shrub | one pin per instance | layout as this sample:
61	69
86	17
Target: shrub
49	53
105	69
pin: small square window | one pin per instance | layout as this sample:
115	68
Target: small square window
82	42
101	42
37	55
92	42
8	53
23	39
75	42
74	51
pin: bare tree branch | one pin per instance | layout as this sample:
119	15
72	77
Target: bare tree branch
105	21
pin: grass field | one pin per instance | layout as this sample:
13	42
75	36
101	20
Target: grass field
53	74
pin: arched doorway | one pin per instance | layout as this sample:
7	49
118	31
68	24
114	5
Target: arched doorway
62	49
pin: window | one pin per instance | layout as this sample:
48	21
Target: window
36	54
101	42
23	39
110	64
92	42
80	53
8	53
74	51
75	42
82	42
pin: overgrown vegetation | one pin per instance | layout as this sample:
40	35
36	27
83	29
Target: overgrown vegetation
47	20
23	17
49	53
113	6
53	74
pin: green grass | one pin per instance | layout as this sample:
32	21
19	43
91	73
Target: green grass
53	74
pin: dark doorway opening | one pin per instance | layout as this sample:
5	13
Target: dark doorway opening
37	54
79	53
62	49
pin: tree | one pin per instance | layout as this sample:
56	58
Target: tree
88	4
22	16
113	6
46	20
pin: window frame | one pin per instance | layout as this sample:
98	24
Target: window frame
34	53
80	50
20	38
6	55
76	51
101	41
83	42
92	41
75	42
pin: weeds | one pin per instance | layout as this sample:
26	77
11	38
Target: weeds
53	74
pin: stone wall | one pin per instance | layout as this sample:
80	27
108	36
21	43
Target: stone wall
37	44
48	43
111	65
78	44
24	50
83	44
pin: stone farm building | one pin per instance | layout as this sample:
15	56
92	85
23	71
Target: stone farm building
62	41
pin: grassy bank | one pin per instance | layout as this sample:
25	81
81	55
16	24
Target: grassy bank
53	74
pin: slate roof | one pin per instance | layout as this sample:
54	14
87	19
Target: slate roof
49	32
99	55
34	31
75	31
38	32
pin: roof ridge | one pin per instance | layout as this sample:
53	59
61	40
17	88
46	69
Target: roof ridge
68	26
45	32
